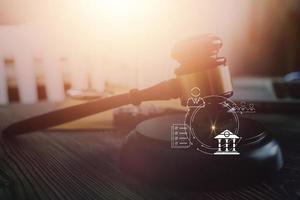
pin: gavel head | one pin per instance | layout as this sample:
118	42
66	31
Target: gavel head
201	67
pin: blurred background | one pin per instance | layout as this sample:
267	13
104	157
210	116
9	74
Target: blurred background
48	47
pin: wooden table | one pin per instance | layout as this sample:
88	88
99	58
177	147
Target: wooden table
84	164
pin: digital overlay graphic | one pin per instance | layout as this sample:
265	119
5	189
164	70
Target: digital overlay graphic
211	125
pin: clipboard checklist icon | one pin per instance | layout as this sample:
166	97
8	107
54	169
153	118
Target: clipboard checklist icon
180	136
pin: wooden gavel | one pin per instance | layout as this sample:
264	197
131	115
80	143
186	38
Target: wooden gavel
200	67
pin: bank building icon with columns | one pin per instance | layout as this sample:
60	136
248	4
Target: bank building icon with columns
226	137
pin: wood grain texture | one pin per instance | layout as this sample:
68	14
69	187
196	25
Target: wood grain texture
85	165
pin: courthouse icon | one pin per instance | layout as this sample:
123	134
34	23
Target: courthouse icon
226	136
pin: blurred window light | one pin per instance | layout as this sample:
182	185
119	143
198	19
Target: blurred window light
135	36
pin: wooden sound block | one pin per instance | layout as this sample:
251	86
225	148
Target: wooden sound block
147	156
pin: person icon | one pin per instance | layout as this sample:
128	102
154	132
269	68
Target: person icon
251	107
195	100
236	108
243	106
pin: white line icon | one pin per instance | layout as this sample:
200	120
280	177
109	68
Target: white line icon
180	136
227	136
198	118
195	100
245	108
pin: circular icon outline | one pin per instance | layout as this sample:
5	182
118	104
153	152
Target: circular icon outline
192	112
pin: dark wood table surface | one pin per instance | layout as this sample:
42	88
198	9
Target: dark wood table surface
84	165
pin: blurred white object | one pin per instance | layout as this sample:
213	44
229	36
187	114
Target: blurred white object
53	79
26	78
79	74
20	43
97	76
87	81
3	83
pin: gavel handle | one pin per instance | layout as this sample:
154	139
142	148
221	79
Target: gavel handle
162	91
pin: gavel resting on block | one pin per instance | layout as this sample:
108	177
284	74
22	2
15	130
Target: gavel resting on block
146	152
200	67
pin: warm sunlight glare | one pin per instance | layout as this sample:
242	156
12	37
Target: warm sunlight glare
213	128
131	40
122	10
122	13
